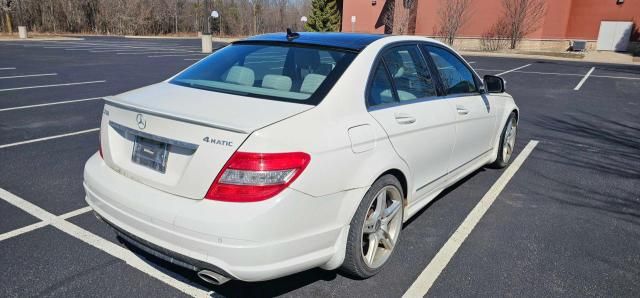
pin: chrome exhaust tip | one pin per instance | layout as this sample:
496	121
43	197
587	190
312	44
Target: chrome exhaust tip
212	277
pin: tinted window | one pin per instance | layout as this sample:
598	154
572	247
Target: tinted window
278	72
381	90
455	75
409	72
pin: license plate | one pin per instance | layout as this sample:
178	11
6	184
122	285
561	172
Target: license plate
150	153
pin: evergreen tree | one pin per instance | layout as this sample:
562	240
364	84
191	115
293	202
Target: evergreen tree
324	16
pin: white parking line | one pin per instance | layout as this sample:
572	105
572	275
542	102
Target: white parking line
586	76
7	68
68	47
425	280
175	55
550	73
102	244
138	50
517	68
53	85
563	74
29	76
484	69
41	224
156	52
23	230
49	104
49	138
95	49
615	77
76	212
471	62
122	48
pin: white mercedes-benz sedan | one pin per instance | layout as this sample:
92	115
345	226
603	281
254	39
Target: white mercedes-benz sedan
286	151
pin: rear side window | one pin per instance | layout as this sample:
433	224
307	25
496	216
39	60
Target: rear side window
286	72
410	74
455	76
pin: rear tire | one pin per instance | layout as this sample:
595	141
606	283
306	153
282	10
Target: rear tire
507	142
375	229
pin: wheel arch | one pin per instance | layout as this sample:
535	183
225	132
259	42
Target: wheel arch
508	108
401	178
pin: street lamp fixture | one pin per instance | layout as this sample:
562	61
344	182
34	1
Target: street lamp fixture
216	15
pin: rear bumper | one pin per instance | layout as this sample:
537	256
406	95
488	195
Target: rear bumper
248	241
165	254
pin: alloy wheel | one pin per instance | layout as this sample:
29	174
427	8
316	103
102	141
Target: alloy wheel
381	227
509	140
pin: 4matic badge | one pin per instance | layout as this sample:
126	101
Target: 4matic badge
217	142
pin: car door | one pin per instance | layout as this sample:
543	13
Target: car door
475	118
403	98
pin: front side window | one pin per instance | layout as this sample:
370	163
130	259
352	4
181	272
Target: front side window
277	72
410	74
455	76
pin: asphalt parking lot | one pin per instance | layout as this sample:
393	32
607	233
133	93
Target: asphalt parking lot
564	222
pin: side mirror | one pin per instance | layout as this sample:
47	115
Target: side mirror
494	84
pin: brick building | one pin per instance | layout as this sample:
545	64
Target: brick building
565	20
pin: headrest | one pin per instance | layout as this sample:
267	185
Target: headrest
311	82
277	82
240	75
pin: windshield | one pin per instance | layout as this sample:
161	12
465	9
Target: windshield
283	72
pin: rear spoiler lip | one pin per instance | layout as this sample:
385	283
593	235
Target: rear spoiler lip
114	102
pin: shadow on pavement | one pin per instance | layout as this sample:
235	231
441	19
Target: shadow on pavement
604	155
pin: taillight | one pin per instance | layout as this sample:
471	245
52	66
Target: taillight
251	177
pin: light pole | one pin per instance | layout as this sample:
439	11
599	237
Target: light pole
304	20
216	15
207	42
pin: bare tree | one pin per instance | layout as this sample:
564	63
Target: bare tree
6	6
139	17
522	17
404	14
453	14
496	38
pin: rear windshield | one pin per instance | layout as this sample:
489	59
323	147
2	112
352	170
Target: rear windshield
282	72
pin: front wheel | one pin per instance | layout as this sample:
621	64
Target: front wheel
507	142
375	228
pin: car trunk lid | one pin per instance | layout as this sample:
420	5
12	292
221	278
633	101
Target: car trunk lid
177	139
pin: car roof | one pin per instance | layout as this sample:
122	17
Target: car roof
350	41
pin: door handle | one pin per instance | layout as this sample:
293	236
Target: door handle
462	110
403	118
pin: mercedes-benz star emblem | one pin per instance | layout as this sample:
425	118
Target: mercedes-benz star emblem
142	123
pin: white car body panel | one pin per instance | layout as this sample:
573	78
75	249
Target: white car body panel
475	120
434	124
224	111
306	225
